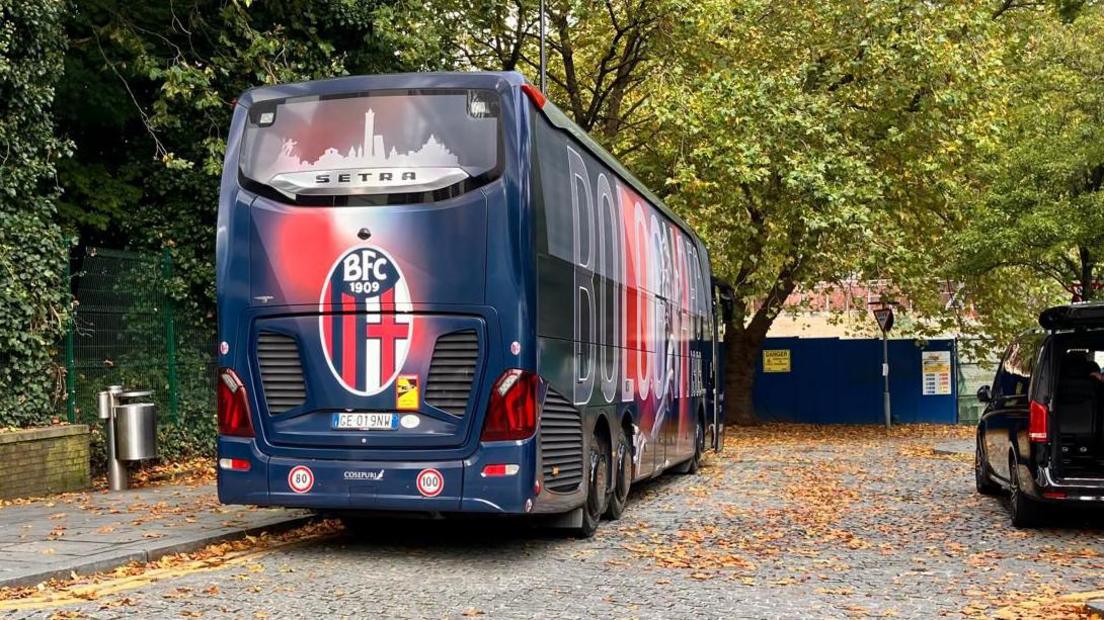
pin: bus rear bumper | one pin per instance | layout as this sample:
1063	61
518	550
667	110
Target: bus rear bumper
419	486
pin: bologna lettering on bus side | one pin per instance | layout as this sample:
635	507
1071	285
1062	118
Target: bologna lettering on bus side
636	332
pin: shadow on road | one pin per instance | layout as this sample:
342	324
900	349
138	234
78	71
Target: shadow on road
414	531
1058	518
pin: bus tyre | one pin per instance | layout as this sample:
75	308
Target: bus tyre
982	481
1024	510
622	476
699	448
598	460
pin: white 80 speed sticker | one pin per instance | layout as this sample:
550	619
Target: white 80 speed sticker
430	482
301	479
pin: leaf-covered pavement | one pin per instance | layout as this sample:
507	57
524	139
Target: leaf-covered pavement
790	521
879	523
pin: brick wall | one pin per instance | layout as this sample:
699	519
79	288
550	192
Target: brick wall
41	461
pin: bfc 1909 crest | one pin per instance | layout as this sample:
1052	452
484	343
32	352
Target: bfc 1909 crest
365	321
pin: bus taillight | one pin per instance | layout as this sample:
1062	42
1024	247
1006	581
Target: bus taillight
514	407
233	408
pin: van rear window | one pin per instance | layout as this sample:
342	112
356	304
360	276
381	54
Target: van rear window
373	144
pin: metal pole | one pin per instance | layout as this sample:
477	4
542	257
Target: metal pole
543	78
170	338
116	469
885	376
70	349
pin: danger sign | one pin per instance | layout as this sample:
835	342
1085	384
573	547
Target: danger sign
430	482
301	479
776	360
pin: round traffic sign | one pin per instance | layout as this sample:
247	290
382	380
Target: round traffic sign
301	479
430	482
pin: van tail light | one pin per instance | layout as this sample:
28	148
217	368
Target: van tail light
534	94
233	406
1037	422
515	407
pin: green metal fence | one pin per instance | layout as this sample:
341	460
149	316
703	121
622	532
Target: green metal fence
124	331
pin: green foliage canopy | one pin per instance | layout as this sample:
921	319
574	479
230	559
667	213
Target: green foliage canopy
810	142
807	142
1041	209
149	104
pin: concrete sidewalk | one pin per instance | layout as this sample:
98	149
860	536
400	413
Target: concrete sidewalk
98	531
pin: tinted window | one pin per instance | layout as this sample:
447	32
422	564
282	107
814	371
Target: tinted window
1078	356
1014	376
1044	377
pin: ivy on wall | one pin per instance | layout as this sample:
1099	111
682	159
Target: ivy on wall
32	250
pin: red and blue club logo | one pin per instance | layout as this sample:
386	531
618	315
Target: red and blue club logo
365	320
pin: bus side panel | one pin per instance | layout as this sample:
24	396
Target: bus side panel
232	259
622	304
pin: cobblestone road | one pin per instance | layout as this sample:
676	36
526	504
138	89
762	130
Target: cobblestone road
789	522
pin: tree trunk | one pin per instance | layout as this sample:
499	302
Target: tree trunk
743	343
742	347
1088	274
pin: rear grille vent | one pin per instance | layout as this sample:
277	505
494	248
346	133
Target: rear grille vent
451	372
281	372
561	443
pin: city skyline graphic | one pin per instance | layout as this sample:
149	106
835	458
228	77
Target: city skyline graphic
370	153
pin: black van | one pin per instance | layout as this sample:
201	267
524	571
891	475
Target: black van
1041	436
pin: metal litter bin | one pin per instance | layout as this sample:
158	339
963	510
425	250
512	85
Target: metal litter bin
135	431
131	429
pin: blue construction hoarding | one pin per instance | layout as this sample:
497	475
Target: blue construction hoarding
839	381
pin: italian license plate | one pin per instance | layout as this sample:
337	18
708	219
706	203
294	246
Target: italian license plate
365	421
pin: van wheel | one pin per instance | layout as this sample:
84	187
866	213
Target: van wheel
598	459
982	481
622	476
1024	510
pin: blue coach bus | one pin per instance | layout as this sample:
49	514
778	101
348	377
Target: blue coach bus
438	294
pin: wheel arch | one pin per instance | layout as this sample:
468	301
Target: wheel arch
980	447
601	427
627	425
629	428
1018	467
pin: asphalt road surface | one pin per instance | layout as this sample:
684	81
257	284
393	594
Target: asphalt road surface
788	522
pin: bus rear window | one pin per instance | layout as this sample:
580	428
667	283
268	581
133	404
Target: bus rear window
404	143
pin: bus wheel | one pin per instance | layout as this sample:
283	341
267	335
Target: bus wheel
699	448
598	459
622	476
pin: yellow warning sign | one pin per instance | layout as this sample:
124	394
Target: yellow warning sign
406	393
776	360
